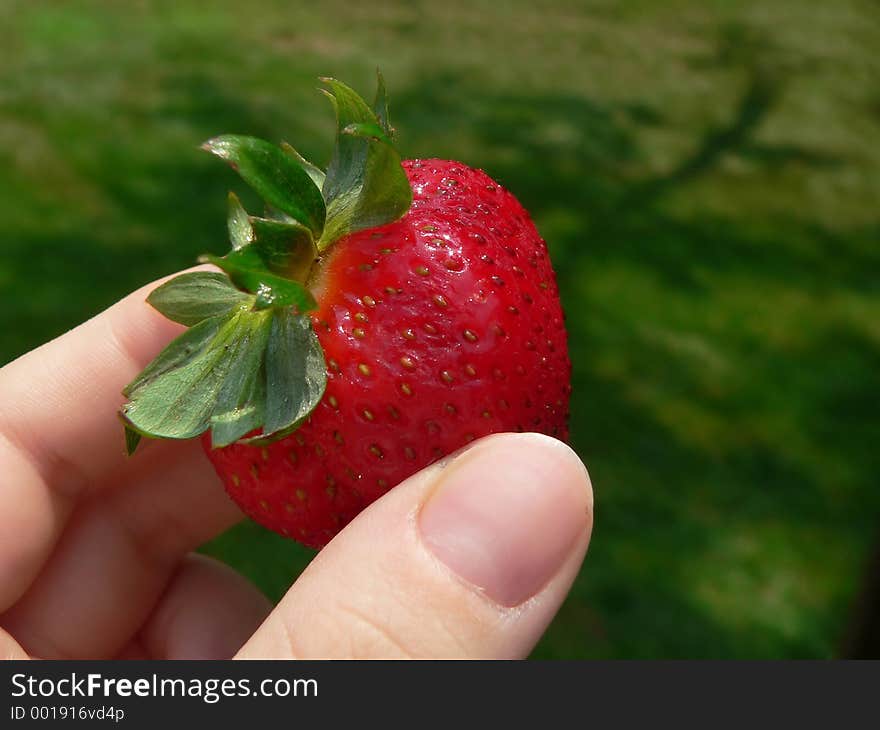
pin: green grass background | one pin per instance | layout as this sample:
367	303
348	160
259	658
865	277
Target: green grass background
707	174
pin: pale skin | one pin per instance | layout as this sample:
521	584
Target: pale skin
96	548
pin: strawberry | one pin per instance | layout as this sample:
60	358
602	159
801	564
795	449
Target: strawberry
359	334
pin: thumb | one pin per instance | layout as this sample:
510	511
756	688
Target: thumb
470	558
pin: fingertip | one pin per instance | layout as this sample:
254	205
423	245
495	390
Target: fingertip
506	516
557	454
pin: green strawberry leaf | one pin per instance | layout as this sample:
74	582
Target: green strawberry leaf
176	354
178	403
241	233
132	439
315	172
197	295
278	178
366	185
286	247
380	105
231	374
367	130
247	270
280	245
295	372
240	403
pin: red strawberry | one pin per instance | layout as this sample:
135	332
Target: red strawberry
437	328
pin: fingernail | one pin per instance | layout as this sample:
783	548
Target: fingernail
507	513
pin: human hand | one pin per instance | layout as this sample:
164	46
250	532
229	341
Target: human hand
471	557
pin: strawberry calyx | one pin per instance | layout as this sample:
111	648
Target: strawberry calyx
250	368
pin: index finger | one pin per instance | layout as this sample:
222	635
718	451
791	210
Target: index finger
59	434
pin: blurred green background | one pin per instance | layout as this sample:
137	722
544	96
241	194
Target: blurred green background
707	175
